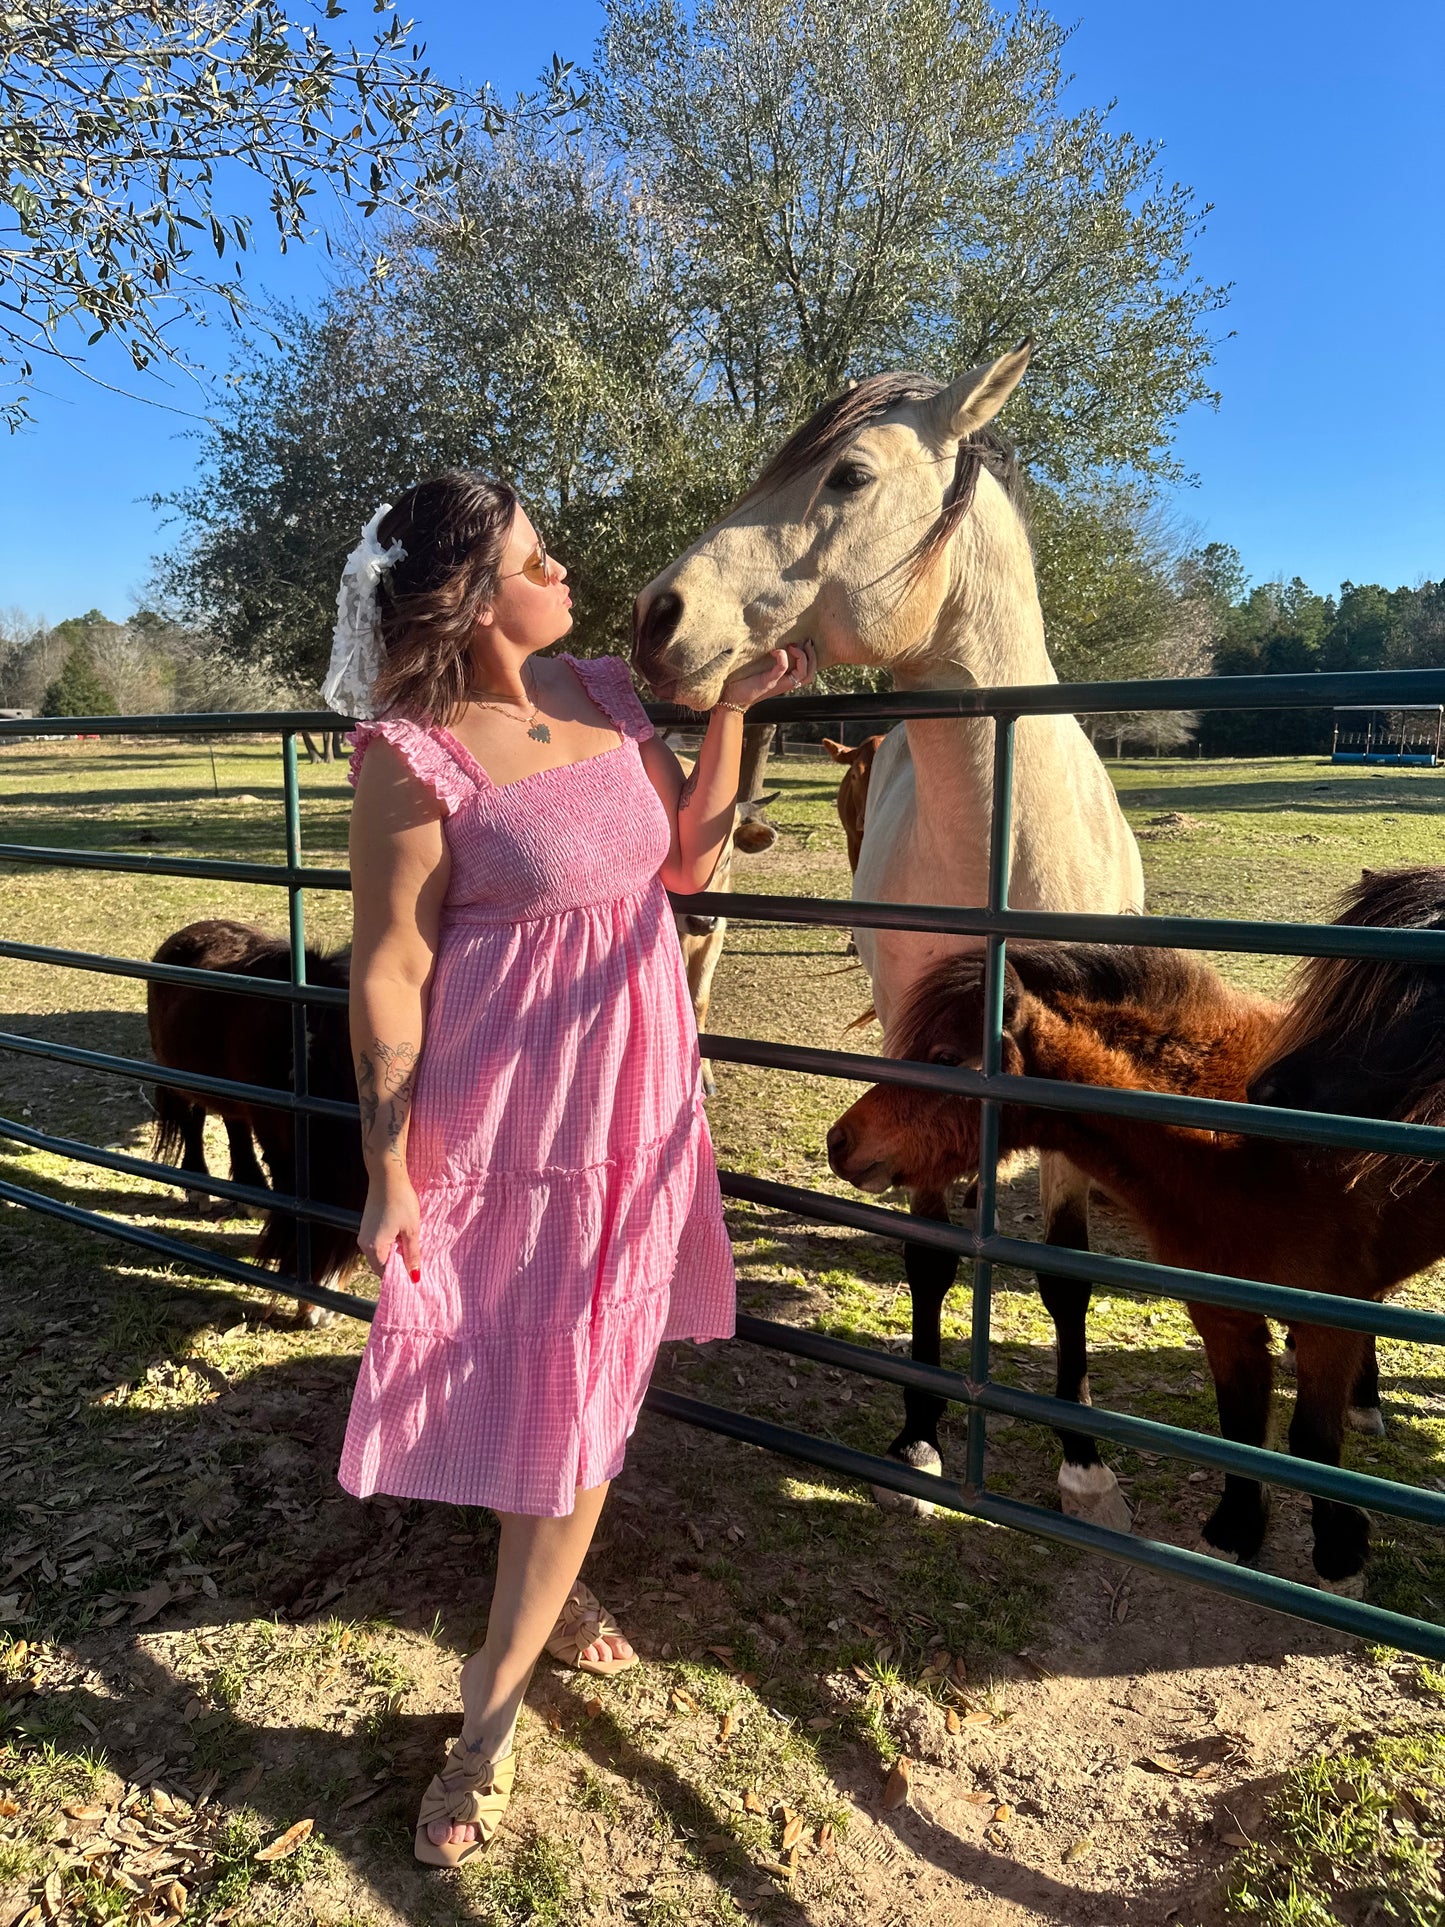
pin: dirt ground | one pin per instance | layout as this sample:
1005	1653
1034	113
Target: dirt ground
209	1651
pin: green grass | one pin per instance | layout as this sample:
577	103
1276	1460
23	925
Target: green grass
1352	1835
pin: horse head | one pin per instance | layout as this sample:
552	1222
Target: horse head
847	537
898	1134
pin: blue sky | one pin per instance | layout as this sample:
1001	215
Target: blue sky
1316	129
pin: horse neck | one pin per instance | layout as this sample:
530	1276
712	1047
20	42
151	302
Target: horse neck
989	633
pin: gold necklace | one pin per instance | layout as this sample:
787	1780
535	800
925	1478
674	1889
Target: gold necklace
539	732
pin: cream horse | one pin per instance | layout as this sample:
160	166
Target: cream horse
888	529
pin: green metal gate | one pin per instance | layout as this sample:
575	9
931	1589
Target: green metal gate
976	1390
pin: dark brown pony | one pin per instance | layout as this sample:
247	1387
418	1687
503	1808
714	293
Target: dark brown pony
1344	1222
221	1033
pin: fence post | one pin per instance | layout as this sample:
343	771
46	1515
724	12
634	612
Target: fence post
1000	842
300	1084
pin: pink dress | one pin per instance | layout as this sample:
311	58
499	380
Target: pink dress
570	1212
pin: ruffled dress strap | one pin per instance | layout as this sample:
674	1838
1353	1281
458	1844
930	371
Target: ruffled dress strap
427	754
608	681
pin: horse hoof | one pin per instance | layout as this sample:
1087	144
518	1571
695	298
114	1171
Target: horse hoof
204	1205
1366	1418
1091	1493
1351	1588
1211	1551
922	1458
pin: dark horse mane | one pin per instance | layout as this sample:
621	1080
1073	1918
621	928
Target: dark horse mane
1167	983
829	430
1386	1013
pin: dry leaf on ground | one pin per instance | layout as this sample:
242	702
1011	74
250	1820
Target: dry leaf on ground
148	1603
895	1791
288	1842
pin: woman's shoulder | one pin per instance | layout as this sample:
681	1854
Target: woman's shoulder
424	751
608	679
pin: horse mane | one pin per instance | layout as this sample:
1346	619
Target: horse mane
1356	1002
830	429
1165	981
1168	984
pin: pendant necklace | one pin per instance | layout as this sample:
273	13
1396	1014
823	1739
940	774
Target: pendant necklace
539	732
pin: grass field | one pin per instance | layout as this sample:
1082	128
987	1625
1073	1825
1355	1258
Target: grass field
206	1642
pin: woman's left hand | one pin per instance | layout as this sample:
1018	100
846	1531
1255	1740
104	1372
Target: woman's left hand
783	671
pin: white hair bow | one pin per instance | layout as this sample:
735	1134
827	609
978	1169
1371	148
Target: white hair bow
356	651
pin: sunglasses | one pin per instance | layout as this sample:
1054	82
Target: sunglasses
537	568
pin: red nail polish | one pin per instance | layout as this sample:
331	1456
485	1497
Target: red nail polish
416	1277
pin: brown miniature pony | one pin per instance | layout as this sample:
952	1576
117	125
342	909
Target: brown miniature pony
223	1033
1356	1036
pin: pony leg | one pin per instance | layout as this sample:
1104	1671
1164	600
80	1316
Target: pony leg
1330	1363
245	1165
193	1158
1363	1413
1242	1366
1087	1487
931	1274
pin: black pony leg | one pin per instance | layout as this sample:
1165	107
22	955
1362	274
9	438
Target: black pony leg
1330	1363
1087	1487
1242	1366
245	1165
1363	1413
931	1274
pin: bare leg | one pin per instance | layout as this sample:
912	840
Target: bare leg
537	1561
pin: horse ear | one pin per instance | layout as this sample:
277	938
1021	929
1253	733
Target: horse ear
975	398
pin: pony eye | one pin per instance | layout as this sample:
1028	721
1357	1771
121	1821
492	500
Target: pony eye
944	1056
848	477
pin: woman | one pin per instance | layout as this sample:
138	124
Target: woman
543	1207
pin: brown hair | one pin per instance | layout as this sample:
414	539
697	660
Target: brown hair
453	529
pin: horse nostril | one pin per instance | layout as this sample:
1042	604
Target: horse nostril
837	1145
653	627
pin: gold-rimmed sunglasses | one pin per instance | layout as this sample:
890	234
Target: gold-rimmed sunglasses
538	567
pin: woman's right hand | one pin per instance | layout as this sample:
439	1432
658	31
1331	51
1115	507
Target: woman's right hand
391	1220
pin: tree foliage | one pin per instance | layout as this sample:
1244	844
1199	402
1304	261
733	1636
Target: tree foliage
627	308
1284	628
78	690
125	123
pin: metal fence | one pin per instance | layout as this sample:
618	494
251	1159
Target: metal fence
994	923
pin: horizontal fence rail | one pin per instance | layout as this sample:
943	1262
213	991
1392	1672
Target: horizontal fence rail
976	1392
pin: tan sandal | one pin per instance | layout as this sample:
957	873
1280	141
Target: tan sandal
582	1622
469	1792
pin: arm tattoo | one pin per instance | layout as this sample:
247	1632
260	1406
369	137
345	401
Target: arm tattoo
685	794
389	1095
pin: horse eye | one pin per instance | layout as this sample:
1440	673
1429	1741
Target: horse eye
848	477
943	1056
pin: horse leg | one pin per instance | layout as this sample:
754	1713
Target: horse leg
1330	1364
1242	1366
1087	1487
193	1158
245	1165
931	1273
1363	1413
